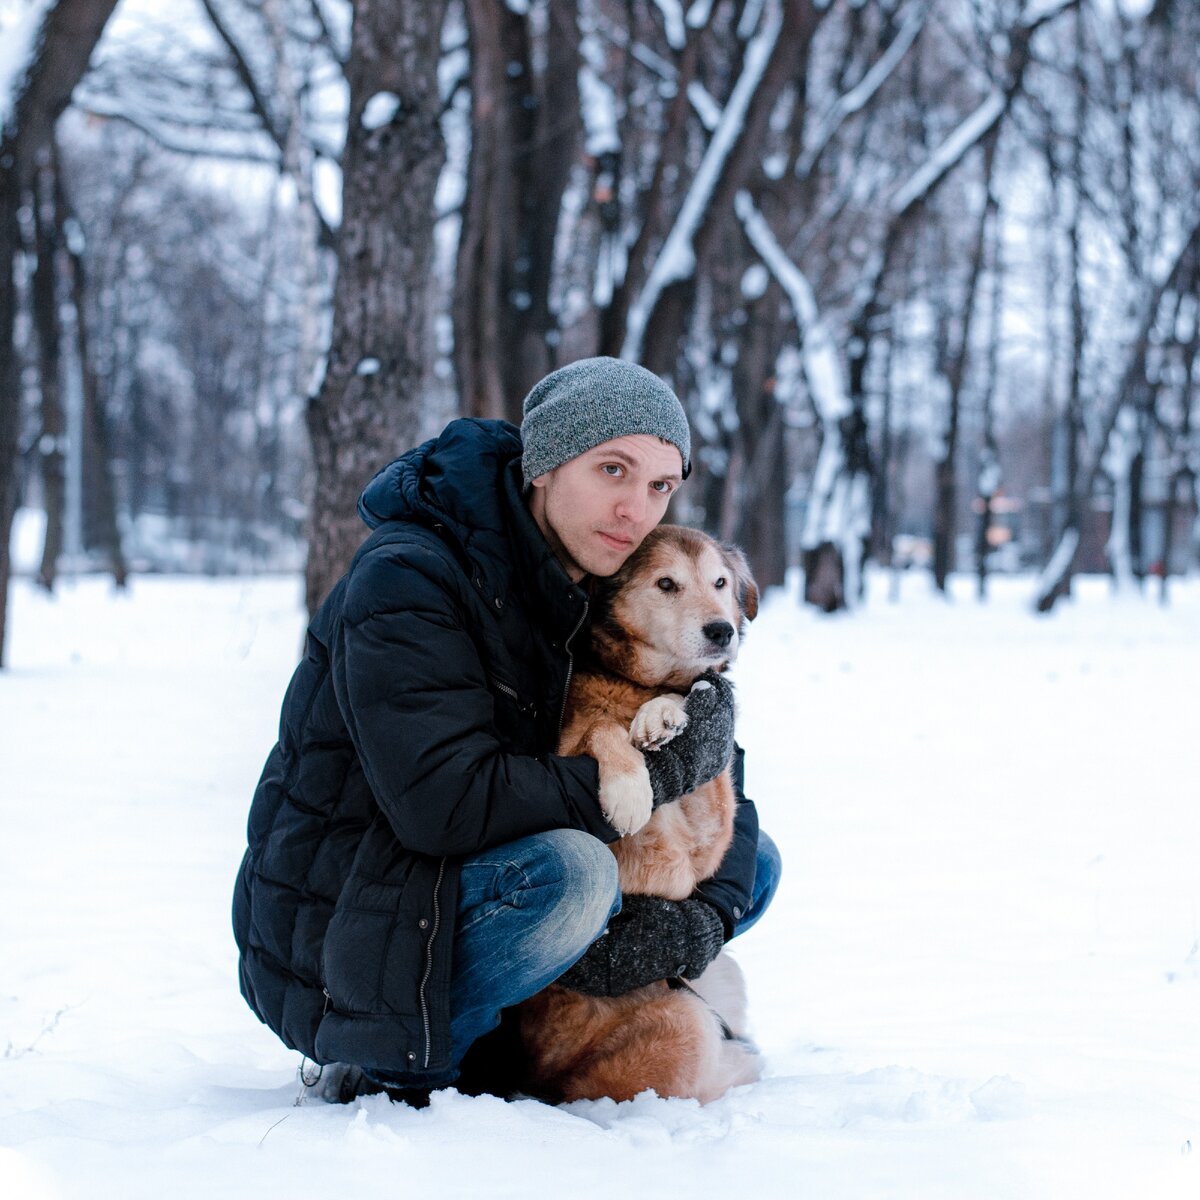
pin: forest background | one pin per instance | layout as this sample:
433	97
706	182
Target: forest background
923	271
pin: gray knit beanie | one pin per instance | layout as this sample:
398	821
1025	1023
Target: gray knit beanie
593	401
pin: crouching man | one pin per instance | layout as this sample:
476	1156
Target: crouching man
419	858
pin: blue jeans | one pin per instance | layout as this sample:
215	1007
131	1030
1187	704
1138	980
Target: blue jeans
529	909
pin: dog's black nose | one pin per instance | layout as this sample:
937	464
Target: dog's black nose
720	633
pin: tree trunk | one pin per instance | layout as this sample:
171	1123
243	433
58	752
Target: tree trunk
1182	274
759	516
1180	480
945	520
70	31
1073	501
667	320
52	441
524	133
369	404
990	474
100	493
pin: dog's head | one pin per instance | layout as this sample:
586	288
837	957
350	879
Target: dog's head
677	608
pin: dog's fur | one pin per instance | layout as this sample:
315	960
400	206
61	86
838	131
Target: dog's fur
650	642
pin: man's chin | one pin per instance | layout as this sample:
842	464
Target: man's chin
603	559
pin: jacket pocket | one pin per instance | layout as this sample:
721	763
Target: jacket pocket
371	959
515	713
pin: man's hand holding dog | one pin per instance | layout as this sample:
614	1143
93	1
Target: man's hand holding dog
684	754
648	940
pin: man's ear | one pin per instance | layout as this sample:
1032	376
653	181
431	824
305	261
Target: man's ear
747	589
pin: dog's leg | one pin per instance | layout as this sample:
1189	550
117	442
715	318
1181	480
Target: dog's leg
658	721
733	1063
626	798
730	1061
723	989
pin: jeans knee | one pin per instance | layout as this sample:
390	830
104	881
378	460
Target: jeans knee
586	873
768	867
769	863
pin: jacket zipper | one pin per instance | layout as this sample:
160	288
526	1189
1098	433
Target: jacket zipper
508	691
437	915
562	712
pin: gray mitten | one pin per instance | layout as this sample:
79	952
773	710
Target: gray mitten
648	940
703	749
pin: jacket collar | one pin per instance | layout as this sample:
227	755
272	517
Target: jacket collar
550	586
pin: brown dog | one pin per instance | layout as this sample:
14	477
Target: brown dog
676	609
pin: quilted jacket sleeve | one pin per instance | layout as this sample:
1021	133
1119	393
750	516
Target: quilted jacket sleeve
731	889
414	695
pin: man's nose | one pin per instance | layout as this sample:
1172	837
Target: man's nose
632	506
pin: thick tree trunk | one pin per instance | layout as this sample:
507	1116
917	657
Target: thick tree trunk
69	33
759	516
524	134
369	404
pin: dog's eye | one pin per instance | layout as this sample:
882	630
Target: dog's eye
720	582
666	584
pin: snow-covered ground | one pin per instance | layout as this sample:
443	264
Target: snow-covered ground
980	977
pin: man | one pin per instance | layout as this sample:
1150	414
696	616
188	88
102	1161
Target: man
419	857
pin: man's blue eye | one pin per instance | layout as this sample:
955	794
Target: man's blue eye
662	487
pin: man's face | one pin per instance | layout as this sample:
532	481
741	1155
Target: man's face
596	509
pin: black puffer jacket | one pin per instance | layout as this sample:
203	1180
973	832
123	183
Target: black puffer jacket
419	728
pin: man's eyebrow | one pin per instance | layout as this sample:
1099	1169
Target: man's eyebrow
621	456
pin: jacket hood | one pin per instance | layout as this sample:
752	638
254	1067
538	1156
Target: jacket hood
466	484
449	480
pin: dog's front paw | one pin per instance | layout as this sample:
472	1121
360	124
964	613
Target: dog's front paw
657	722
626	799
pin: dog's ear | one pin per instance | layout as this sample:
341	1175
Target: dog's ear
747	589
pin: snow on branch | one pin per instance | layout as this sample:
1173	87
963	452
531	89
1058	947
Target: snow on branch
749	19
597	101
677	258
839	508
1056	568
705	107
946	156
1041	11
672	11
821	366
860	95
20	40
